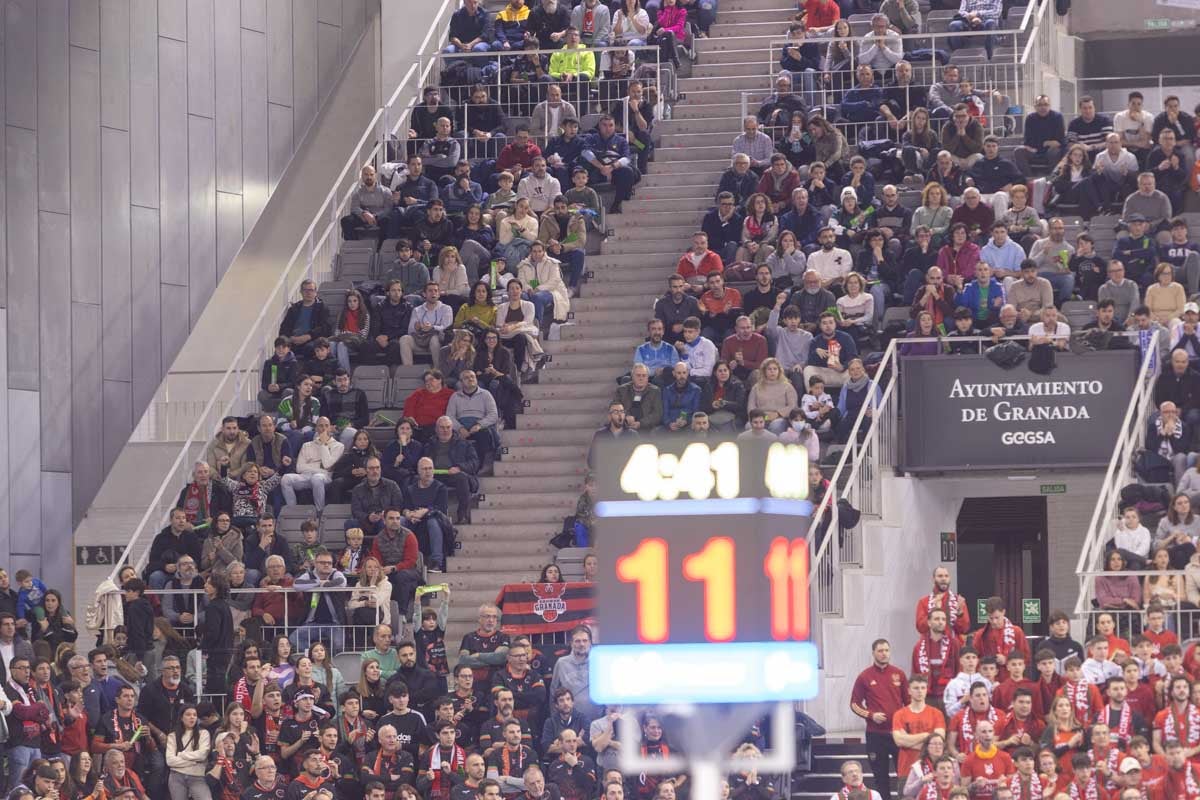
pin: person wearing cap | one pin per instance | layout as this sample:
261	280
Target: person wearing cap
1185	333
1129	776
298	734
1137	250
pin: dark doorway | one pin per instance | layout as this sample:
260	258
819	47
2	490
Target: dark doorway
1002	552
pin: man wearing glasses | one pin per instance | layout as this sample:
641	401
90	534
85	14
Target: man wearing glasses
326	611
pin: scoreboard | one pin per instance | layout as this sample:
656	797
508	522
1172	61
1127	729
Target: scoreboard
703	590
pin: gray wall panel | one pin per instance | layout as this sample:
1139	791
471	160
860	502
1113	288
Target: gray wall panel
24	474
85	175
146	304
173	150
229	103
200	57
3	165
254	126
329	47
143	102
20	63
175	325
87	452
229	230
114	64
254	15
279	51
114	259
172	19
54	252
330	12
54	95
22	284
202	221
304	63
85	23
118	419
5	493
57	551
354	17
279	141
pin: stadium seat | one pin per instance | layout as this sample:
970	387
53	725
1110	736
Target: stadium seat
1079	313
375	381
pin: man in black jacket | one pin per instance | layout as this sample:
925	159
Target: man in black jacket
162	700
423	685
435	231
171	544
723	225
738	180
346	407
388	324
305	320
1180	385
471	29
674	307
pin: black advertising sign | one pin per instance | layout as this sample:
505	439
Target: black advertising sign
964	411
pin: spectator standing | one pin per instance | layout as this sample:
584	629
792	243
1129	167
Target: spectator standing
879	692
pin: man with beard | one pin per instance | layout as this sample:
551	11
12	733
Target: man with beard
511	758
964	728
161	702
936	655
314	774
423	685
527	686
1118	715
476	771
491	735
958	615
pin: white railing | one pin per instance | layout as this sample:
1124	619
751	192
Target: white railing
858	479
237	390
1130	437
1130	622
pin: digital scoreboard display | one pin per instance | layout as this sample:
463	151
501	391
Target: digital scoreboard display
703	591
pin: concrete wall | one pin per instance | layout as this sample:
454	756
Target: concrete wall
141	141
1091	18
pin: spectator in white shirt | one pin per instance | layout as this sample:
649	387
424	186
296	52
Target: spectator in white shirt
314	466
539	187
1132	538
699	353
1114	171
881	49
426	325
832	263
1050	330
1134	127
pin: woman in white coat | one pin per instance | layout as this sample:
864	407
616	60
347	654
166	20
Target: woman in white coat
542	276
517	325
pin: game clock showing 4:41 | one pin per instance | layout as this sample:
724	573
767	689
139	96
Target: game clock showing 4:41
703	587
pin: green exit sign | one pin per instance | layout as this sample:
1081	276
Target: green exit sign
981	610
1158	24
1031	610
1054	488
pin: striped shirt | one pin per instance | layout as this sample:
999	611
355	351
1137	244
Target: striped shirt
759	148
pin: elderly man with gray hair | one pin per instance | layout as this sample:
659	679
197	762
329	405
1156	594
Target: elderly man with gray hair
881	49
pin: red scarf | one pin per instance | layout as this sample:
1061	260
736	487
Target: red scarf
195	503
1124	728
933	792
1026	791
1112	758
1089	792
924	664
1176	724
1008	637
440	784
966	731
1183	786
1078	693
351	321
506	761
948	602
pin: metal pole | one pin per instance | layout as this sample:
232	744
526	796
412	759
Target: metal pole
706	780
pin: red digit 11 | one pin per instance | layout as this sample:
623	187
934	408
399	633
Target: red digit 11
715	565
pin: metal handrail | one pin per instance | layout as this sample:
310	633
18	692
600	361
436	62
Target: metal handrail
1132	432
325	220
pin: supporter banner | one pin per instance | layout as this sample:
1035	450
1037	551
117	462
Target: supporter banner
545	607
964	411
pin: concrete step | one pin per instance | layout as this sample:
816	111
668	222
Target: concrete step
618	260
646	272
652	246
469	562
541	422
701	170
596	408
781	15
710	124
700	107
681	193
709	91
757	5
524	437
593	393
499	548
522	500
660	179
712	50
700	154
494	484
537	453
669	209
529	514
720	138
597	345
658	230
749	26
460	582
522	534
602	361
574	377
549	467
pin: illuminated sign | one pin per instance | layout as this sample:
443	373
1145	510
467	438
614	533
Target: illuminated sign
703	556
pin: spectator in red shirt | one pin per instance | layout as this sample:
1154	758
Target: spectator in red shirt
958	616
879	692
935	654
427	404
745	350
821	15
1000	636
987	766
1023	728
1013	680
698	263
719	307
518	155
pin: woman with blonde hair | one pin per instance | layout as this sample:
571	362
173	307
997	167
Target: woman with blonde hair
457	355
919	143
774	394
370	602
450	275
934	212
759	230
